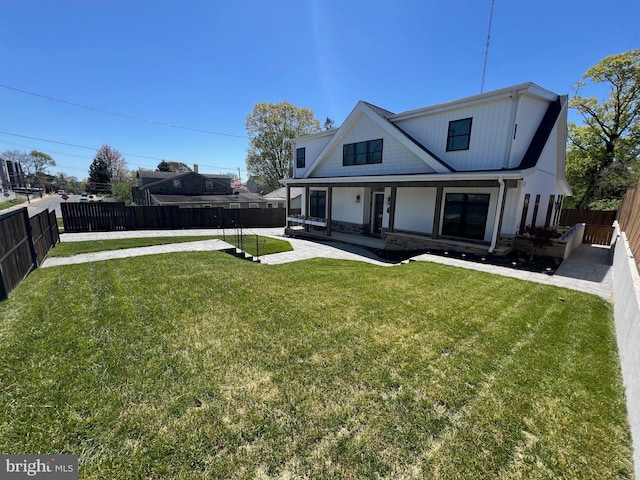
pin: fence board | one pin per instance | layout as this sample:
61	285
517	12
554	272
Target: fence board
89	217
629	220
24	245
570	216
598	234
17	257
93	216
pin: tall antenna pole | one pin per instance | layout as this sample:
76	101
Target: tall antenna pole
486	51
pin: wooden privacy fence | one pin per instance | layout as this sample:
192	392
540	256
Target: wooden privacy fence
629	220
24	245
89	217
599	224
93	216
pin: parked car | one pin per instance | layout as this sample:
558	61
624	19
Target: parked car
60	192
83	197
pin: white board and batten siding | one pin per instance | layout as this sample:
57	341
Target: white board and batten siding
530	112
490	133
347	208
495	141
396	158
414	209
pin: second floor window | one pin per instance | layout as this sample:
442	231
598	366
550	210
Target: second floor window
300	157
459	135
362	153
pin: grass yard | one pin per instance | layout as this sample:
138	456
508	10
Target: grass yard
199	365
12	203
265	245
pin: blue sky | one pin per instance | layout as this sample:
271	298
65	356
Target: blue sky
205	64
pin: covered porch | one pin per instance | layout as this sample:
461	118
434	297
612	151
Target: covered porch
458	213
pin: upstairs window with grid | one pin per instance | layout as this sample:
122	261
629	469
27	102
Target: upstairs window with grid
459	135
362	153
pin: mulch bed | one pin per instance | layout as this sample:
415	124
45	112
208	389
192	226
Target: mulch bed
514	260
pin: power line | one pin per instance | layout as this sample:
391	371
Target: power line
95	149
123	115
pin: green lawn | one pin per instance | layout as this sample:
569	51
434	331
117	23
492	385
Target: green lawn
199	365
12	203
264	245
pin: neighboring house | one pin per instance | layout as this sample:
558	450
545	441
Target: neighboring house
11	175
232	200
278	199
465	173
190	190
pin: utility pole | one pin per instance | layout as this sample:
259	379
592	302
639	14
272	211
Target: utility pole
486	51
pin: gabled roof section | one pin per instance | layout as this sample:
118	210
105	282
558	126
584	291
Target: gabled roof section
282	193
173	176
380	117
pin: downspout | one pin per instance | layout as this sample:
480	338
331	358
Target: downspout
496	221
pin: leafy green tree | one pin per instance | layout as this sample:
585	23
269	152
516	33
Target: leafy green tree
603	158
122	188
35	166
177	167
271	127
163	166
116	163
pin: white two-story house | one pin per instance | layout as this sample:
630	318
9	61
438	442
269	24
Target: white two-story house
465	173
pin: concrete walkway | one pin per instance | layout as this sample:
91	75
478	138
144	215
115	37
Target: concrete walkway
588	269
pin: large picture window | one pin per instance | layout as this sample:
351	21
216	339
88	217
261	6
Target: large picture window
300	157
317	203
465	215
362	153
459	135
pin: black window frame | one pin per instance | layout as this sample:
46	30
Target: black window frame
465	227
362	153
318	203
300	157
453	136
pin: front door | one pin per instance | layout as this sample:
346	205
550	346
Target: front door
377	213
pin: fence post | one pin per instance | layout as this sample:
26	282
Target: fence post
32	248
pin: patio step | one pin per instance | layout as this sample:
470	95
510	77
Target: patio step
240	254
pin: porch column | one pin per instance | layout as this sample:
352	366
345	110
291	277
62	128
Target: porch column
305	211
287	204
392	209
436	214
329	202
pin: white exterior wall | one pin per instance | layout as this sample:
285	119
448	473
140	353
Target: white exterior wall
490	131
415	209
529	114
396	158
345	208
511	216
313	145
491	214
